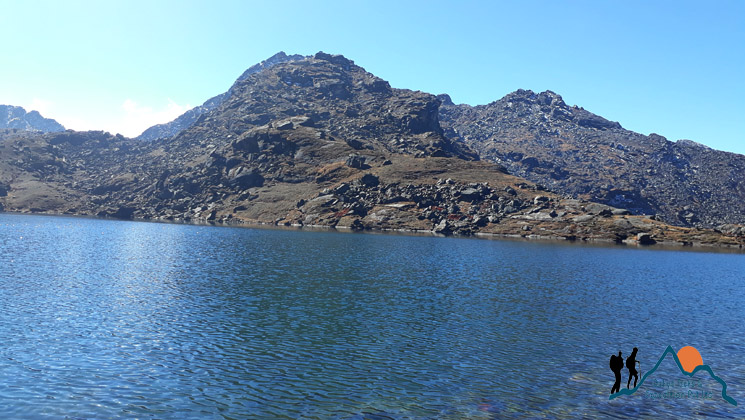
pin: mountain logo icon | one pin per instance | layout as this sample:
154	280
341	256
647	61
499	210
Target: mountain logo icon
689	361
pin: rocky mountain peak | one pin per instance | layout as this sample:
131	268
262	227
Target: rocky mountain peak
16	117
337	59
550	98
336	67
185	120
340	100
549	106
277	58
445	99
544	99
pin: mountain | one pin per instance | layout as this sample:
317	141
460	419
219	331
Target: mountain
15	117
316	141
572	151
188	118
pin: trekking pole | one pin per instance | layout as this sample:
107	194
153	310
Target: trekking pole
640	369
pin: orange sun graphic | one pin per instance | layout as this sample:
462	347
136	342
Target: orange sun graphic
689	358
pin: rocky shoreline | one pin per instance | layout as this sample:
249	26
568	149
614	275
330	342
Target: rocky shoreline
719	247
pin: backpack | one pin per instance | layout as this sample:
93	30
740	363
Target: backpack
630	361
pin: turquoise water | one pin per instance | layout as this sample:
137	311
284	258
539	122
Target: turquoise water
110	319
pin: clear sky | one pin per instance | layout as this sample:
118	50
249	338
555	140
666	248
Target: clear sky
676	68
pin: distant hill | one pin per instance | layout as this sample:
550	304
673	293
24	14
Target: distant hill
572	151
15	117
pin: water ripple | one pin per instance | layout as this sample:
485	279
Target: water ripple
109	319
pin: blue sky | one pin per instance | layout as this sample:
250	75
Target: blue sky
676	68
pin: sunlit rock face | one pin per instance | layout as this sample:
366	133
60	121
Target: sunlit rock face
572	151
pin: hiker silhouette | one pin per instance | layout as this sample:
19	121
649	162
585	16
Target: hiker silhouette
616	365
631	366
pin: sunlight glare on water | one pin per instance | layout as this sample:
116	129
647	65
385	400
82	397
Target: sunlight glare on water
110	319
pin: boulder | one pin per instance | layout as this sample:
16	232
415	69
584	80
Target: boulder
285	125
342	188
540	199
321	201
339	60
357	225
354	144
645	239
583	218
247	179
599	209
443	227
370	180
124	212
480	221
542	216
587	119
357	162
731	229
378	86
623	224
470	194
303	121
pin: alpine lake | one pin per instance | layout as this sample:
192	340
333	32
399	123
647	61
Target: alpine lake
105	319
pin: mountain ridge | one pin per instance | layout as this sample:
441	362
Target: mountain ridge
572	151
316	141
16	117
683	183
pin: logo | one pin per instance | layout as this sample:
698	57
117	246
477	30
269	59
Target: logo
688	360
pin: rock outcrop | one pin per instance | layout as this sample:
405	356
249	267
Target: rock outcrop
572	151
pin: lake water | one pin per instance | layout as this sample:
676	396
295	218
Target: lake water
112	319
